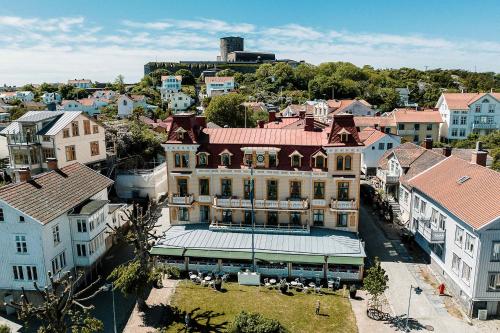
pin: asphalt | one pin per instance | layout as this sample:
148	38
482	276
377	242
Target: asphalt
427	311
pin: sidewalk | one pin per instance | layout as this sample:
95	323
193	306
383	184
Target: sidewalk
157	301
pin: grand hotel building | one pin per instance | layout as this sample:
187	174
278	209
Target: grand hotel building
306	196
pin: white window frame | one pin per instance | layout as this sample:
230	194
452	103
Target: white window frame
495	251
496	281
56	236
21	244
469	244
460	233
455	264
466	273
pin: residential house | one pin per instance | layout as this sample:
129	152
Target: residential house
92	105
219	85
51	97
66	136
53	222
384	124
70	105
82	83
455	217
415	125
23	96
170	84
295	110
466	113
305	194
178	101
404	96
376	144
104	94
128	102
356	107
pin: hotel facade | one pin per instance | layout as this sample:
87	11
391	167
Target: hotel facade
306	183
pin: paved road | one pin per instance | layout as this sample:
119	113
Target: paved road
427	310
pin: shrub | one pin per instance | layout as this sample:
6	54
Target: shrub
5	329
246	322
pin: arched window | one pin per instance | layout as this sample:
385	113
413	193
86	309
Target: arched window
340	162
347	163
225	159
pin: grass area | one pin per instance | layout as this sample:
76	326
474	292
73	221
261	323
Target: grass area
296	311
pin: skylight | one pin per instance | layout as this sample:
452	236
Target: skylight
463	179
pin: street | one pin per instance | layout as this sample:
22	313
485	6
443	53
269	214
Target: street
427	310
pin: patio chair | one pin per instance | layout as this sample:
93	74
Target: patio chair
305	290
267	284
330	284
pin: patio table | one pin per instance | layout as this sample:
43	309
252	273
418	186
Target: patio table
208	278
312	284
193	277
294	283
272	281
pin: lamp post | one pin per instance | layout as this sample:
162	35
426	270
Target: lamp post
418	291
108	287
252	213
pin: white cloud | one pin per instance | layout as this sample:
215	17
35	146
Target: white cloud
55	49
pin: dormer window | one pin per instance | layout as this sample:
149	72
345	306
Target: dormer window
319	160
180	133
295	159
202	159
225	158
273	160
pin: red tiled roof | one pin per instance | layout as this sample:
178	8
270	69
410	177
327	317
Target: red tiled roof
282	122
177	77
474	201
412	116
219	79
340	105
372	121
370	135
265	136
87	101
461	101
51	194
343	122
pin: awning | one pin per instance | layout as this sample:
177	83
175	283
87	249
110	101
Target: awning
346	260
167	251
283	257
218	254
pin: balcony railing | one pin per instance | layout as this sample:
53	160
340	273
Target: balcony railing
340	204
407	132
268	228
299	204
21	139
178	199
388	177
204	198
484	125
430	234
318	202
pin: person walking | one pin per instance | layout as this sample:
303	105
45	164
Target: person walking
318	304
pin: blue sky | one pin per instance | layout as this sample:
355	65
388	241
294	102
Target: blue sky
56	40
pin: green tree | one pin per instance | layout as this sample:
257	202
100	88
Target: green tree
227	110
226	72
139	275
66	91
375	282
390	99
187	76
62	307
119	84
302	74
246	322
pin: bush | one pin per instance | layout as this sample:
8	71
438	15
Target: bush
255	323
5	329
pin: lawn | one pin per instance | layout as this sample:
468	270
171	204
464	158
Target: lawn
296	311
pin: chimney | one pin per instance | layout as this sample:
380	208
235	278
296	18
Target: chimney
447	151
428	143
201	121
479	156
309	124
272	116
260	123
24	174
382	129
52	163
302	114
375	126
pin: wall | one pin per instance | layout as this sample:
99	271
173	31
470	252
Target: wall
124	110
152	182
371	154
81	143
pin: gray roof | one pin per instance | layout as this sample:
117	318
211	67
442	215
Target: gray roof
318	242
89	207
59	120
58	124
36	116
13	128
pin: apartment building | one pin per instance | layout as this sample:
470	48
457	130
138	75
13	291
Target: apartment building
416	126
52	222
455	217
80	83
466	113
219	85
376	143
306	183
67	136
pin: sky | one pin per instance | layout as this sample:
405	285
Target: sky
53	41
